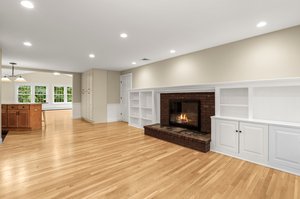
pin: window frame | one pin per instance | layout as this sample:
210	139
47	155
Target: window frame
17	93
47	96
65	94
32	94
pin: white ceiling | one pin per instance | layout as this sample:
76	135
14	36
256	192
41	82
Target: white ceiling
64	32
8	71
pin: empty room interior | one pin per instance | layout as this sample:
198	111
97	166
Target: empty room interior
150	99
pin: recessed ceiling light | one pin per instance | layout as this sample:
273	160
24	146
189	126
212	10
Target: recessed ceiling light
56	73
133	63
27	4
123	35
27	43
92	56
261	24
172	51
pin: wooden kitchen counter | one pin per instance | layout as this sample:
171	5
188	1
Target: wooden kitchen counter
21	116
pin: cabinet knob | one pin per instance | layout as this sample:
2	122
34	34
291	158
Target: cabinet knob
240	131
237	131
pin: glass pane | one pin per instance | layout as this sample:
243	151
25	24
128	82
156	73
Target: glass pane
24	98
69	90
59	90
40	99
69	98
40	90
24	90
59	98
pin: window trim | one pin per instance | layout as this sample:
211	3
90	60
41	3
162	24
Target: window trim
65	94
32	86
17	95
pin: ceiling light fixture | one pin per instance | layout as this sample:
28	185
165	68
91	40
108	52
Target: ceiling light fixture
172	51
27	43
56	73
123	35
92	56
261	24
27	4
133	63
13	77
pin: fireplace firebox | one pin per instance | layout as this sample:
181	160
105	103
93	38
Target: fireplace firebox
185	113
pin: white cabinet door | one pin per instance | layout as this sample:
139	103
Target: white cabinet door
227	139
83	95
285	147
254	142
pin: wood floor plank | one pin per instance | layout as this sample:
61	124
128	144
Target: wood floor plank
75	159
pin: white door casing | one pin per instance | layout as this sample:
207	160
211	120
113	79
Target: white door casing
125	86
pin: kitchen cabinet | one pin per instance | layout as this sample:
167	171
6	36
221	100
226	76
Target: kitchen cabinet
22	116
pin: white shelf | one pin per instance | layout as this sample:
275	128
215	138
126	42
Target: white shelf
135	116
147	119
234	105
141	108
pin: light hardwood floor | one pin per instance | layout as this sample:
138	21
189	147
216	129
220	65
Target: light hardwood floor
75	159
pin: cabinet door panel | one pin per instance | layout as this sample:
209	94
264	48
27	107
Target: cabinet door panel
226	135
23	119
254	141
12	118
4	119
285	146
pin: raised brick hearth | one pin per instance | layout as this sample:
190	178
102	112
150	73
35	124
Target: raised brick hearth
199	140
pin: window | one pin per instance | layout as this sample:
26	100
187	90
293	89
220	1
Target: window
40	94
59	94
69	94
24	94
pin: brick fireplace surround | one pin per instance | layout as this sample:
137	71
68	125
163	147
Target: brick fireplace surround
207	107
199	141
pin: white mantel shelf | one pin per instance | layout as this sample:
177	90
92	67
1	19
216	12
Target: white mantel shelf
272	122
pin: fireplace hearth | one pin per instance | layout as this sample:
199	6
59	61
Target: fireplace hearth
185	119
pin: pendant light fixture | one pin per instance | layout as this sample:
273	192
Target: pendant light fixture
13	77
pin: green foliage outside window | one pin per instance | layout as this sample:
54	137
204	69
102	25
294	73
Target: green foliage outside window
69	94
40	94
24	94
59	94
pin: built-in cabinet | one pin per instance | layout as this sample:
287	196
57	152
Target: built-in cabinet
21	116
246	140
141	108
259	122
87	95
285	147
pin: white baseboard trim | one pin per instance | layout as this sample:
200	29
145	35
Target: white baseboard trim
291	171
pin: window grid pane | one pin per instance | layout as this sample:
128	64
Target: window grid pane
24	94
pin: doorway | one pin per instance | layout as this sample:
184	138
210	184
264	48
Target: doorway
125	86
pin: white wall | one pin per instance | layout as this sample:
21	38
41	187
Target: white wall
9	93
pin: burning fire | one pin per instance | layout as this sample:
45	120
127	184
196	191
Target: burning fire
182	118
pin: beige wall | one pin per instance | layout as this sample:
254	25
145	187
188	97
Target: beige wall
100	95
113	87
77	88
270	56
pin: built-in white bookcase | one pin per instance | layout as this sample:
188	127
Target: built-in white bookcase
234	102
260	122
141	108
